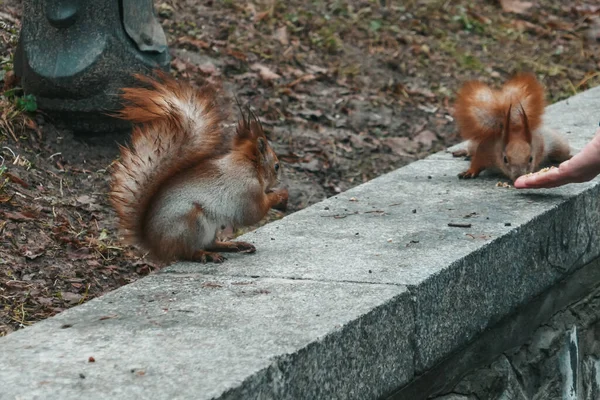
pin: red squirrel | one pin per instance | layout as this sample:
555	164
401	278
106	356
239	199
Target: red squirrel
183	178
505	129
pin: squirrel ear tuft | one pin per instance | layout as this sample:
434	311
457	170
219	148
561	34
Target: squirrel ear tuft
243	130
261	144
249	126
243	126
525	122
506	127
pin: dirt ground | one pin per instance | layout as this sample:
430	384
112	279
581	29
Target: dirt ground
348	90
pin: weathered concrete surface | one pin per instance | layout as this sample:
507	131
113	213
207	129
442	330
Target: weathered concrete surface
200	337
379	260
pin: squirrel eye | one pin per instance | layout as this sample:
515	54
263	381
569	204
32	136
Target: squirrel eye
531	159
276	166
505	160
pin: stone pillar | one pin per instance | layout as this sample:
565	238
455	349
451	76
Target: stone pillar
74	55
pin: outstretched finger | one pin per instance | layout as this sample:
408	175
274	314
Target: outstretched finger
548	179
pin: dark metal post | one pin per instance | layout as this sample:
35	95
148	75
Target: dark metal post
74	55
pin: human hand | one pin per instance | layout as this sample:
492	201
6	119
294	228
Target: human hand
582	167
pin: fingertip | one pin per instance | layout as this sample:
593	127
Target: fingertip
518	184
521	182
521	185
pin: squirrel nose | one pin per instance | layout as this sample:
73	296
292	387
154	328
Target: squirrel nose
518	174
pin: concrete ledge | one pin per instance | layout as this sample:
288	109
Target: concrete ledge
350	298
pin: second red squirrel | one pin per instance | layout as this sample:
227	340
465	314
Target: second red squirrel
183	178
505	128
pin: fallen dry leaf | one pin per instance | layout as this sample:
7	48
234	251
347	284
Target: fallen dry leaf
18	216
312	114
515	6
593	32
10	81
237	54
71	297
31	255
80	254
401	146
85	199
560	25
586	9
265	72
481	18
46	301
315	69
208	68
262	15
281	35
425	92
179	65
426	138
15	179
199	44
313	165
531	27
302	79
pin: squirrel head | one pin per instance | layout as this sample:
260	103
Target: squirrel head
518	155
250	139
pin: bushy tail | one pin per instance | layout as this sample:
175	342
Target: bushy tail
478	111
481	111
524	90
180	126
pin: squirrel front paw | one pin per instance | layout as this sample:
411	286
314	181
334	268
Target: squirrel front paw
468	174
282	199
242	247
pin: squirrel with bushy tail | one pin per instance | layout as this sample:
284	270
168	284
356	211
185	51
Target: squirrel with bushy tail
183	178
505	128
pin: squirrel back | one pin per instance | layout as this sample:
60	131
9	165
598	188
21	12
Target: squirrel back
482	113
180	126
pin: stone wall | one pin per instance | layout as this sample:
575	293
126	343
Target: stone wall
547	349
560	361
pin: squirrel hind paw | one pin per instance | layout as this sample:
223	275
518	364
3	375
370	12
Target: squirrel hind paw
233	247
204	256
